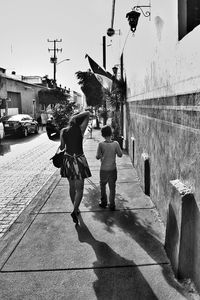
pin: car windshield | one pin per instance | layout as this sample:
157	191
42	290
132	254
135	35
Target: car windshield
19	118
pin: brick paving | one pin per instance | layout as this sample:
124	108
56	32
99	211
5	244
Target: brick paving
24	171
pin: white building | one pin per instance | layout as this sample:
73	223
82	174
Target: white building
162	116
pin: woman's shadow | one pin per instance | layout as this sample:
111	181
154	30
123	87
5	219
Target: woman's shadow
112	282
128	220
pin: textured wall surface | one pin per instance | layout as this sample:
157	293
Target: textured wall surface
168	130
3	92
163	122
28	92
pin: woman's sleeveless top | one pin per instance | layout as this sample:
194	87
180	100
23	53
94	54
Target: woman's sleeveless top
73	140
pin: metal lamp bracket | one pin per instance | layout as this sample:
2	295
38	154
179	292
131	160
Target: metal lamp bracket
145	10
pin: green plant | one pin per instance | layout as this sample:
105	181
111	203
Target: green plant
92	90
52	96
90	87
62	112
115	99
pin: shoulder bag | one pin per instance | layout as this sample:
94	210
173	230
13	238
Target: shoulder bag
58	157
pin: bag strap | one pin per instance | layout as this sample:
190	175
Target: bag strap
58	150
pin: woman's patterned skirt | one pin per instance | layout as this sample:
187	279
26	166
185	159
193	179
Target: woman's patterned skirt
75	167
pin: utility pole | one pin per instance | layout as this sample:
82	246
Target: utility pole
104	65
53	59
122	100
104	52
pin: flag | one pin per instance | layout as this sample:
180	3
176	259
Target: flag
104	77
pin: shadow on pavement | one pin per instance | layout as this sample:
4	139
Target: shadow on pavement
126	219
14	140
4	148
103	287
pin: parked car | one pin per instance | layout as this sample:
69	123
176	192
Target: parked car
20	124
1	130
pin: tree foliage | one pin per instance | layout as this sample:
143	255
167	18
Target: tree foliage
91	88
114	99
52	96
116	96
62	112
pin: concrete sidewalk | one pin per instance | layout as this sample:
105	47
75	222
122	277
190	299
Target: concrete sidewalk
110	256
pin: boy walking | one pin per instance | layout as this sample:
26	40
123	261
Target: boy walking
106	152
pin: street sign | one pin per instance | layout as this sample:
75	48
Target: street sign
110	32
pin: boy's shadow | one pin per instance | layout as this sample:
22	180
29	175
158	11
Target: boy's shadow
140	229
112	282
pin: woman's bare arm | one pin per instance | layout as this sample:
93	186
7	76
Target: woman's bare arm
62	143
84	124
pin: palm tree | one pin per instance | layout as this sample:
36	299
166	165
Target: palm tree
92	90
115	98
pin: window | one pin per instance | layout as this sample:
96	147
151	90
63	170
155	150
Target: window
188	16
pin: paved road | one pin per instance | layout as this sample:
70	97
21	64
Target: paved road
23	172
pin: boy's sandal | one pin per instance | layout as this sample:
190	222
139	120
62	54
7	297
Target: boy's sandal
112	207
102	205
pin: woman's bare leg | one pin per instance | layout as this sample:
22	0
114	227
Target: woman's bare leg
79	186
72	190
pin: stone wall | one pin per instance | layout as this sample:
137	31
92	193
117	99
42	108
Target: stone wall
166	131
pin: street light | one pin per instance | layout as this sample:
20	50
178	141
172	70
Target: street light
133	16
66	59
115	69
54	61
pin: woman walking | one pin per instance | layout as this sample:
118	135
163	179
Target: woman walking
75	167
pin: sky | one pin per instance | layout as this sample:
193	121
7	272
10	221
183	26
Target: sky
27	25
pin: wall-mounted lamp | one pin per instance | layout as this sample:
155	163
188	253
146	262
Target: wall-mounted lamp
133	16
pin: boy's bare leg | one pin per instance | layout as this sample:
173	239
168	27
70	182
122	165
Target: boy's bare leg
103	182
112	186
